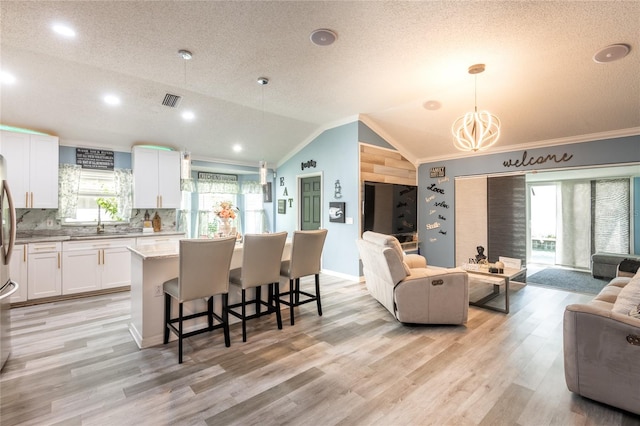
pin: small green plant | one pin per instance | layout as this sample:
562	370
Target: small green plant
110	205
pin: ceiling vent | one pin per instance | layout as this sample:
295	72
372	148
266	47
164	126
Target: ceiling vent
172	101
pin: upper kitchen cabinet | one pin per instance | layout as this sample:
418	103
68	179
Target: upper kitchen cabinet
156	178
32	169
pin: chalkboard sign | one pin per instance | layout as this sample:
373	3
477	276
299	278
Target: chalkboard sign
96	159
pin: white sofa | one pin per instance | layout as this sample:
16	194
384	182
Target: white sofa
408	288
602	345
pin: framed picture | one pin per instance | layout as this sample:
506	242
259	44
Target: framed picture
266	193
282	206
336	212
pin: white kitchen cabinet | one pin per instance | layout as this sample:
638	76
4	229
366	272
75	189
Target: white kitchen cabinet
44	273
32	168
90	265
18	272
156	178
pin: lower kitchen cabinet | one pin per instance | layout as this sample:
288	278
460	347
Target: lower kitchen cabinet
44	273
96	264
18	272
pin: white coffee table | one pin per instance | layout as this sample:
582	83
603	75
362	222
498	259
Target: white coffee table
495	279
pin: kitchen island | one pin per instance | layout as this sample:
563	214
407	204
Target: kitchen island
153	265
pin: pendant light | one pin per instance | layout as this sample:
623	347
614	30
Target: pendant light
186	183
263	81
477	130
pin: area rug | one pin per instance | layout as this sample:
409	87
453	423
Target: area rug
566	279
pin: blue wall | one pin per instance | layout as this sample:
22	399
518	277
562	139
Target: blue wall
439	248
335	152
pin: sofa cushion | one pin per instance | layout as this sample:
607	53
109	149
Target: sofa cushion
629	297
391	242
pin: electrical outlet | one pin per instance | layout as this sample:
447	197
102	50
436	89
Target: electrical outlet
158	291
49	223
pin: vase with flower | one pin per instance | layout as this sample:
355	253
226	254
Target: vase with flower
225	212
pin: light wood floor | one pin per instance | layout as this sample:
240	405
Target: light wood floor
74	363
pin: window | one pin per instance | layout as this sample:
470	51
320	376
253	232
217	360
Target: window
254	214
94	184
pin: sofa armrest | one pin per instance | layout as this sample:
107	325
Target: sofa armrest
415	261
602	355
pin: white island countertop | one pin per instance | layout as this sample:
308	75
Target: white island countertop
156	251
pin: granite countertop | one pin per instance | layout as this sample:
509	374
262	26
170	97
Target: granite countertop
38	236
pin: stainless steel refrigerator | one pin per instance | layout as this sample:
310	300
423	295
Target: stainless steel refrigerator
7	240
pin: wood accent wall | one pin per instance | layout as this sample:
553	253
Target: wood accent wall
383	165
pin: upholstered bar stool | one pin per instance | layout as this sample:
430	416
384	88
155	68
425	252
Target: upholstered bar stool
261	257
306	251
203	273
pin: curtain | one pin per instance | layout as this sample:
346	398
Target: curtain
255	217
611	215
573	233
124	196
68	184
251	187
204	186
507	221
187	185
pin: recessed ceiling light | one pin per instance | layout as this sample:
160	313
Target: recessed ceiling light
185	54
7	78
432	105
188	115
111	100
63	30
323	37
237	148
611	53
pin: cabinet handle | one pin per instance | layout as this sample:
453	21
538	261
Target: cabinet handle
24	253
32	200
58	260
161	201
26	199
98	257
48	248
102	256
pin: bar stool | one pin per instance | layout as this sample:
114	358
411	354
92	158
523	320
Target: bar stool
261	257
306	251
203	273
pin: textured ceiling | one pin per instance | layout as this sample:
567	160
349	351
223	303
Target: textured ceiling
389	59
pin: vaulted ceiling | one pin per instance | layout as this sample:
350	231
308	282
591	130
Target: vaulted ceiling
389	60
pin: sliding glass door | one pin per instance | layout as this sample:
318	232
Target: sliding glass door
570	219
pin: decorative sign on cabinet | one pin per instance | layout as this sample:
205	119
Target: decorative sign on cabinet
156	178
32	168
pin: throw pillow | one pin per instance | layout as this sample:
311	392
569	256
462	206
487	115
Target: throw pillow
628	297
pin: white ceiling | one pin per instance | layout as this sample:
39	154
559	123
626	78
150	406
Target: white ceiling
389	59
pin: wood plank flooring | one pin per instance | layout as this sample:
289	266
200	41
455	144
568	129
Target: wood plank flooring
74	363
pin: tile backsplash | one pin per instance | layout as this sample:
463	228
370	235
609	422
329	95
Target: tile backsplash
46	220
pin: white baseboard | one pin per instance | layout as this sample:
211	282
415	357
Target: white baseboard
341	275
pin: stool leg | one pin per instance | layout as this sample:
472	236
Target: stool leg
180	334
258	297
167	317
277	297
210	312
244	316
318	294
291	302
225	319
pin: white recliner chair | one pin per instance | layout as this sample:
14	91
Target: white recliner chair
408	288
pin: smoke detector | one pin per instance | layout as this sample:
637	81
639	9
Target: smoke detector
611	53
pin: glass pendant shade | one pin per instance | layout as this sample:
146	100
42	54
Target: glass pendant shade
185	165
263	172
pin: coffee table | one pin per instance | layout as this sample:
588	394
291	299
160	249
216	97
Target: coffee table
491	278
